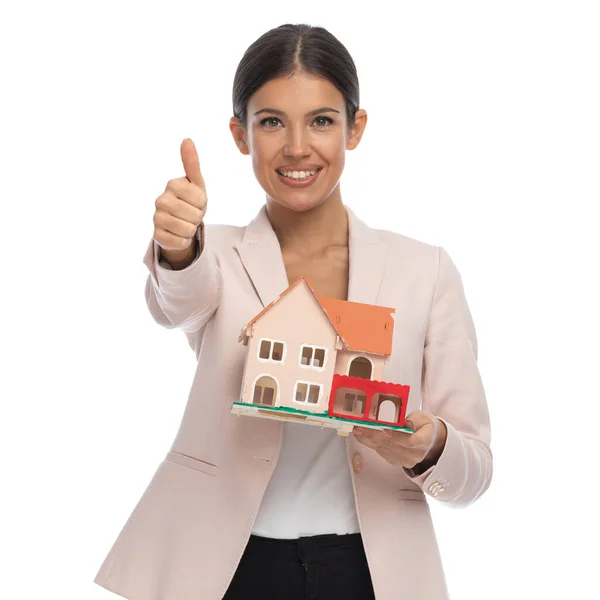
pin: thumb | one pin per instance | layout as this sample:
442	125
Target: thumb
191	162
417	419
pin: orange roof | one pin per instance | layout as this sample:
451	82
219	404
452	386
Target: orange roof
362	327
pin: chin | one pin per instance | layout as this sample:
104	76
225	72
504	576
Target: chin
299	205
298	201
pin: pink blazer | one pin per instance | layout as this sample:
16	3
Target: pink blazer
187	533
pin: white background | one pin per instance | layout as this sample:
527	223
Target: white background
483	137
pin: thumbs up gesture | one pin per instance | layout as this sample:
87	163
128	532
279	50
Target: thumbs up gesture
181	207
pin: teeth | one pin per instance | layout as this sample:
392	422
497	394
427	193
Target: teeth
298	174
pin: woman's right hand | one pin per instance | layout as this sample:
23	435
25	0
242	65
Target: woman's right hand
181	207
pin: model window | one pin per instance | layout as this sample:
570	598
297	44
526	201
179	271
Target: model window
361	367
307	393
312	356
354	403
271	350
265	391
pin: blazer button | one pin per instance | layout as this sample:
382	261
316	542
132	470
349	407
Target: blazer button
436	488
357	462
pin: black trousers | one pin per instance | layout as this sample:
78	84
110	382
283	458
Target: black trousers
322	567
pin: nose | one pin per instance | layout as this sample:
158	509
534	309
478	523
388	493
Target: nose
297	144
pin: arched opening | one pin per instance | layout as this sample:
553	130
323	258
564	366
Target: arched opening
388	412
265	391
361	367
386	408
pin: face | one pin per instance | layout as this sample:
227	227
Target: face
298	124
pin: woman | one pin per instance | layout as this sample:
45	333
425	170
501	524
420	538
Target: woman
253	508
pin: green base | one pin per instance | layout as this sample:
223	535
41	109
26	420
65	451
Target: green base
324	415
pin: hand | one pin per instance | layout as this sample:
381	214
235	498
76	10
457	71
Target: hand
403	449
182	206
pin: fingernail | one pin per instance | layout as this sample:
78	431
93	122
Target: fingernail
357	431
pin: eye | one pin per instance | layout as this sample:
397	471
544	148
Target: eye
327	120
264	121
324	122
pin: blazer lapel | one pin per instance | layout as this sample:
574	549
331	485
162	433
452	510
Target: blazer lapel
260	253
367	255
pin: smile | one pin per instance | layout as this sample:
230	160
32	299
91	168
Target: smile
299	179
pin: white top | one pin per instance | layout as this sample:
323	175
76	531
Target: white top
310	492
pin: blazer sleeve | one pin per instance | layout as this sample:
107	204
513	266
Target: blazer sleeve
452	390
184	299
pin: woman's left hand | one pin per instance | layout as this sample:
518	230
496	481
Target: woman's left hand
403	449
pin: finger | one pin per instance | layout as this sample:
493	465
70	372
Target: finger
175	225
409	441
171	241
378	436
184	190
365	441
179	208
191	162
418	418
389	455
407	460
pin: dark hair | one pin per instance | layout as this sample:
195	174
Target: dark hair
290	49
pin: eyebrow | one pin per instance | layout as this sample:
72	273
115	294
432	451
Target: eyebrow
282	114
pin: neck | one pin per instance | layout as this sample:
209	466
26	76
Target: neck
310	232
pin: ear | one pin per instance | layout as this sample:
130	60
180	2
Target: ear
239	135
357	130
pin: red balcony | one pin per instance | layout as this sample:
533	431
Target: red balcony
368	400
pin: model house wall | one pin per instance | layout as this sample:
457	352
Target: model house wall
360	364
287	346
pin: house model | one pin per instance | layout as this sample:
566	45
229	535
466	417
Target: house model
320	361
